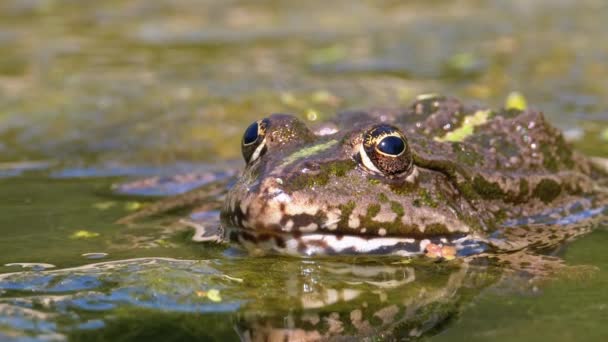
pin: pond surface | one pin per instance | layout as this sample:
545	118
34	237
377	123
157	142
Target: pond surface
97	93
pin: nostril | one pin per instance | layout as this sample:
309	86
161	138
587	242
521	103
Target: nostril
310	167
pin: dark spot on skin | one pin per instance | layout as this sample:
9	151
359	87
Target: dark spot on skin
487	190
375	321
234	236
279	241
547	190
249	237
397	208
467	190
282	207
345	211
373	210
301	220
272	227
524	190
264	237
382	198
556	154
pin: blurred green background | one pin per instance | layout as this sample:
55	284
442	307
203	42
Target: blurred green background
155	81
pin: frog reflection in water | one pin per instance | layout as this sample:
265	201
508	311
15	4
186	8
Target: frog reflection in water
374	299
437	178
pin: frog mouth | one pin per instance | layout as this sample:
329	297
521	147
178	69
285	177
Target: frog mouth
317	244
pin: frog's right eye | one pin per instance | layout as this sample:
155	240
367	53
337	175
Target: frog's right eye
254	140
385	151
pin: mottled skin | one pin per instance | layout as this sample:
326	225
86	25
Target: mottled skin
512	170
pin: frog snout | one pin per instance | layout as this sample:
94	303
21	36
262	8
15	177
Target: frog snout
259	208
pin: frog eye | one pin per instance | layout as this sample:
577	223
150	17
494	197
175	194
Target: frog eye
392	146
251	134
385	151
254	140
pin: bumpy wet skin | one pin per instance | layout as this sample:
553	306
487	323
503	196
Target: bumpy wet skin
98	94
433	174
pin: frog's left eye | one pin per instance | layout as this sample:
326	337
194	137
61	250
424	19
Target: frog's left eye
385	151
254	140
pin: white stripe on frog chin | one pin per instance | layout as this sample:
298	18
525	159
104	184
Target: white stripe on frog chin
328	244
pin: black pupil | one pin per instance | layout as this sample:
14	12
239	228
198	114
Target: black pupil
391	145
251	134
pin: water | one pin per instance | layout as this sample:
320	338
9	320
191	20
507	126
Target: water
92	94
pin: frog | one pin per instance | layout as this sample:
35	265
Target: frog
436	178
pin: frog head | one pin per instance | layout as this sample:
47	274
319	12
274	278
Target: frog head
354	190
